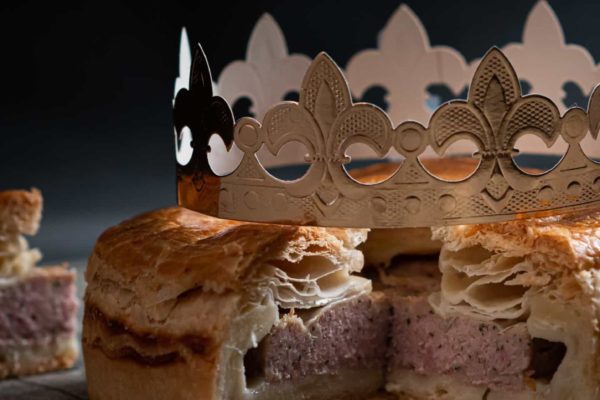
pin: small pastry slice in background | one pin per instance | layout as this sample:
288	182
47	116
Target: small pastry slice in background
37	305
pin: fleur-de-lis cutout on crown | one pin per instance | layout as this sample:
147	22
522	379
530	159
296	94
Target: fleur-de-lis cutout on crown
269	71
201	114
494	116
495	113
325	119
405	64
546	61
266	76
185	62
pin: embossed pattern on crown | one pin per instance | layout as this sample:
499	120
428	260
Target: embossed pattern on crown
327	122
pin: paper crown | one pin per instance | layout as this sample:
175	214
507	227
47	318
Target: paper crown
402	62
327	122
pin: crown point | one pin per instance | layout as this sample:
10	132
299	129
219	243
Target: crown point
184	37
185	60
324	72
405	9
324	56
265	26
494	51
200	76
266	17
267	40
494	66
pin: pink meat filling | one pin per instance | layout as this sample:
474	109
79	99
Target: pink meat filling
347	335
476	352
37	309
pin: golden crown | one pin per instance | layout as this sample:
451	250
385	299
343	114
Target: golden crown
327	122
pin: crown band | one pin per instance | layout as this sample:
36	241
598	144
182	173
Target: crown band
327	122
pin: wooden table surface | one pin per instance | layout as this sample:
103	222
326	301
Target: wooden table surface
63	385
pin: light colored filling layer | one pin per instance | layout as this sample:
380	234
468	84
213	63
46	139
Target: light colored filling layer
484	285
311	282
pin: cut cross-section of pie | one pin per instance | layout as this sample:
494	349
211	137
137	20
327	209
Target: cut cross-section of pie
184	306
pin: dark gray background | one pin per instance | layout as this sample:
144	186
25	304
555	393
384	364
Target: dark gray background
85	99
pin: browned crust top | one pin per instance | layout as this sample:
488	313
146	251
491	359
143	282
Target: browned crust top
20	211
176	243
567	241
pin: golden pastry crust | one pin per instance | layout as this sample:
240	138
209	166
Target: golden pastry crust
20	211
168	289
568	241
164	253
